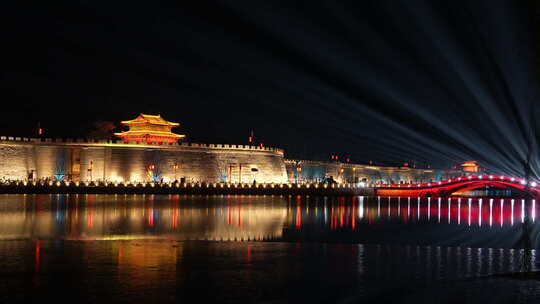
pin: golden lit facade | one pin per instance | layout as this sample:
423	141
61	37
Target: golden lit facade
112	160
149	129
470	166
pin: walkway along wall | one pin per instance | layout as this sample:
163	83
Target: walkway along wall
82	160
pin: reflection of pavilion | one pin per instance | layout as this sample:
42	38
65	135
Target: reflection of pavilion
116	217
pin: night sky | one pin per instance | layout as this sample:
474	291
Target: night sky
434	82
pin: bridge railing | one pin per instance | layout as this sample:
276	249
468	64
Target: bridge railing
508	179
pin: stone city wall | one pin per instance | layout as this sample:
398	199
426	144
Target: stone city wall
317	171
111	160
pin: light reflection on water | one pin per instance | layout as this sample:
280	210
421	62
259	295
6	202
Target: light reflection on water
474	222
138	248
86	217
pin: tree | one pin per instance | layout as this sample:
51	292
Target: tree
102	130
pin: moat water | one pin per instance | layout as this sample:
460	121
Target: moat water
264	249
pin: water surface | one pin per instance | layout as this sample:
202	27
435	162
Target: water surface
263	249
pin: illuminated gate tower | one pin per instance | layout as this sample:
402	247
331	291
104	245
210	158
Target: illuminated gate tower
149	129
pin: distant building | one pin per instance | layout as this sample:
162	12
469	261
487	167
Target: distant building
149	129
470	166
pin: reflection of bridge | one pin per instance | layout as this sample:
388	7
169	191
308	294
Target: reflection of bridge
460	185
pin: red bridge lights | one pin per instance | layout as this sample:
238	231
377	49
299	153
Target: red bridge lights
446	187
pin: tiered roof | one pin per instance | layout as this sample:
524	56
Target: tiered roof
149	129
150	119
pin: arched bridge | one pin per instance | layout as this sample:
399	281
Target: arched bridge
460	185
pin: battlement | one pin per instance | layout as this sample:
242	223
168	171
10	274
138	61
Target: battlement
120	143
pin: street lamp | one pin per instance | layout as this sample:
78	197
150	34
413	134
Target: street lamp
240	172
151	172
175	167
230	173
90	167
298	170
231	166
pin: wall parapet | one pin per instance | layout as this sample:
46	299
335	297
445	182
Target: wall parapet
119	143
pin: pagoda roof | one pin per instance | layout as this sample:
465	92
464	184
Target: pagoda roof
469	163
151	133
150	119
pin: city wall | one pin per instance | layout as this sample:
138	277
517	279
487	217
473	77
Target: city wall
111	160
114	161
306	171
